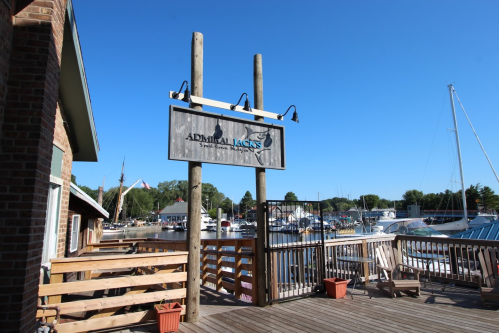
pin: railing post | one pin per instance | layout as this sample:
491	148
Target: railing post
254	273
397	243
204	263
238	270
219	266
365	254
54	278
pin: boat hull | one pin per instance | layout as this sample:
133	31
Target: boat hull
460	225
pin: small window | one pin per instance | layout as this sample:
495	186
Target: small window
75	231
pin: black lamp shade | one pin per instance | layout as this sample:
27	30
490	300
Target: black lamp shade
295	117
187	95
247	105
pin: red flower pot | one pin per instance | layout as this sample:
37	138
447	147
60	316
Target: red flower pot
168	316
336	288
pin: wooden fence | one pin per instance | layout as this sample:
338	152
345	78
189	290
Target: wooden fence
152	277
225	263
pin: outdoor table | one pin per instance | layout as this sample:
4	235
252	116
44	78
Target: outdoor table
357	262
427	258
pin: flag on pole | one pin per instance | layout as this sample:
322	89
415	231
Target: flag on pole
145	185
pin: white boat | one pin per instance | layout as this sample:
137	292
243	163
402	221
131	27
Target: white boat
167	226
210	227
482	219
113	231
180	226
412	227
454	226
108	228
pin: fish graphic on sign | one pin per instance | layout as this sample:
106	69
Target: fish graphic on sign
261	135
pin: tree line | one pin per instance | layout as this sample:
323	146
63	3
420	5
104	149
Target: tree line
477	197
141	202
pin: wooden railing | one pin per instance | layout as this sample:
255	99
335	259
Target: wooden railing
162	272
230	264
455	258
225	263
355	246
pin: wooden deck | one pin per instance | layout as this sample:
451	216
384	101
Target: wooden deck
456	309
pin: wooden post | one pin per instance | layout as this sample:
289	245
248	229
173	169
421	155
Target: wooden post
238	271
218	286
219	223
254	276
261	190
194	201
54	278
365	267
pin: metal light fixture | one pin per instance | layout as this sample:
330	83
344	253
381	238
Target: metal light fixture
187	93
295	114
246	107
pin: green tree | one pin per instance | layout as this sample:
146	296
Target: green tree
384	203
370	201
290	196
431	201
489	198
213	213
91	193
226	206
473	197
412	197
246	202
139	203
211	192
326	207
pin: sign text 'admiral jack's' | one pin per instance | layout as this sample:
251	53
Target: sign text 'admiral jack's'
213	138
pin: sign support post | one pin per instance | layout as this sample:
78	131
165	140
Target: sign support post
261	190
194	200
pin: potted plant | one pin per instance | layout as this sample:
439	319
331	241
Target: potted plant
168	316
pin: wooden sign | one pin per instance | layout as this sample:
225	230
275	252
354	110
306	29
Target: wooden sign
206	137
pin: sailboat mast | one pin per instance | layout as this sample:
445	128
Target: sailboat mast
119	194
465	210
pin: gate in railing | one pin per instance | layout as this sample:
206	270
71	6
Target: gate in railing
295	248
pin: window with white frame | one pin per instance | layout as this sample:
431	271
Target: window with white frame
75	231
51	223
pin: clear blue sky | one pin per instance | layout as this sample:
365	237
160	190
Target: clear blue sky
369	79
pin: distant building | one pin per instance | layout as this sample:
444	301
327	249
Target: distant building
413	211
290	213
178	212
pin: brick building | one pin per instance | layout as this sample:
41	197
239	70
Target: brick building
46	123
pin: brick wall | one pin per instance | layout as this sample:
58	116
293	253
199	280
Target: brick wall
5	47
61	140
26	140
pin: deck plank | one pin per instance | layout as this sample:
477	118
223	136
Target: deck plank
457	309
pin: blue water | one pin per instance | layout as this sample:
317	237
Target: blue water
274	237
